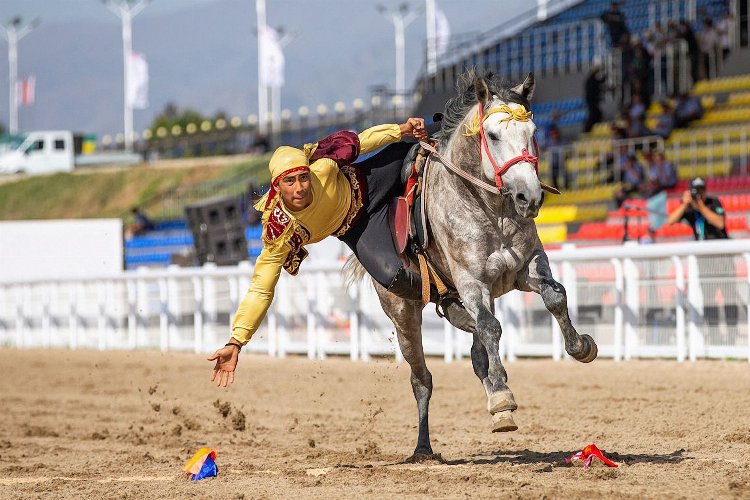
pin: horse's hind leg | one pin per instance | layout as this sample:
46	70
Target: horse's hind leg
407	318
539	279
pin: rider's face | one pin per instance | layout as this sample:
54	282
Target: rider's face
295	190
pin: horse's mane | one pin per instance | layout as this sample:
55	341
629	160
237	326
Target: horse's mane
458	107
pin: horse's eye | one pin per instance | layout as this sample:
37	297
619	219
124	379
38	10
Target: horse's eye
493	136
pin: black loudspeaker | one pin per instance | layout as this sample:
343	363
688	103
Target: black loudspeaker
218	231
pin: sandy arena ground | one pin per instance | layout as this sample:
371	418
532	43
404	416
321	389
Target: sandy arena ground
121	424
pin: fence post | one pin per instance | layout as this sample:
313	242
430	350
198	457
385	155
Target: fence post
619	299
632	301
163	315
197	314
311	341
19	317
695	304
447	341
46	322
132	317
319	287
73	318
679	307
354	313
364	337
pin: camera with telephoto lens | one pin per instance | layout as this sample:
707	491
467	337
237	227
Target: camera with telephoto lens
694	193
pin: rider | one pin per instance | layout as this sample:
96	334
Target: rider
317	192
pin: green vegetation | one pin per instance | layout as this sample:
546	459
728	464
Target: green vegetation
112	192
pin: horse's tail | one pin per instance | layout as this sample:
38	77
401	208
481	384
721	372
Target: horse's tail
353	270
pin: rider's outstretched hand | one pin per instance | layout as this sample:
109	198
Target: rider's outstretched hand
226	362
414	127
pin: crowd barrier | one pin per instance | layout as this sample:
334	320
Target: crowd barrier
673	300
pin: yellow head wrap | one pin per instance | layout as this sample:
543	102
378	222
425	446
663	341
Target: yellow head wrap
284	159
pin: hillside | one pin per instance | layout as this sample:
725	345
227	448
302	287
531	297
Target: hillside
113	191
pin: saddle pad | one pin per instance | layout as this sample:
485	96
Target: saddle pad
398	217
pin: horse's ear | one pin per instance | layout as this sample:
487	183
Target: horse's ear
526	89
483	91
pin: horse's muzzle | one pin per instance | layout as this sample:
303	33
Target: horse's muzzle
524	207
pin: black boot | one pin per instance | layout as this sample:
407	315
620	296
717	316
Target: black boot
457	315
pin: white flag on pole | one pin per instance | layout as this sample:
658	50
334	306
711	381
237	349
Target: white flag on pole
272	58
442	32
25	90
138	81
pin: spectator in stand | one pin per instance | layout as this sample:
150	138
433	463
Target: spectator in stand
707	219
661	174
557	155
641	73
632	180
614	19
636	110
694	52
688	108
665	121
635	127
724	27
710	46
141	223
627	54
594	90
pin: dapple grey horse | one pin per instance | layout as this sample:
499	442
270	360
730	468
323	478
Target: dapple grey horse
485	243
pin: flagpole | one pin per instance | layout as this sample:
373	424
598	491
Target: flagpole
126	10
431	40
260	10
401	18
14	32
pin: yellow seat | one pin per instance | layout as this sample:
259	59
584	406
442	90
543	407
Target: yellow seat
602	193
740	98
557	214
557	233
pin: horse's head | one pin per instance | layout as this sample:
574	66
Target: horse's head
509	150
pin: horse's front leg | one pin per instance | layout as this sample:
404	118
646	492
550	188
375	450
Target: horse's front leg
485	354
407	318
539	279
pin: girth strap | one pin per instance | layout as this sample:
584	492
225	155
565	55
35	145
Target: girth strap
426	271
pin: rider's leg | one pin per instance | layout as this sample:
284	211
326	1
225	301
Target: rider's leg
370	240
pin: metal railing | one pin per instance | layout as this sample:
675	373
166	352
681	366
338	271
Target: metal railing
681	301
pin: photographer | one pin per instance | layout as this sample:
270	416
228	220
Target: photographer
703	213
717	272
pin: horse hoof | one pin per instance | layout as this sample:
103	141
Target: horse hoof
501	401
589	351
503	422
418	458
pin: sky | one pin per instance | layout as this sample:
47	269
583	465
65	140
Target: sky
202	54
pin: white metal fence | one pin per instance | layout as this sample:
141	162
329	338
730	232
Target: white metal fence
682	301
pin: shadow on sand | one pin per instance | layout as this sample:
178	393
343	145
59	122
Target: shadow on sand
547	460
557	458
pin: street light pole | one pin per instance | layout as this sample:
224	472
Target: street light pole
126	10
14	32
260	14
401	18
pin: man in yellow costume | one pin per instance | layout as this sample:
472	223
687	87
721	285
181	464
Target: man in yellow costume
316	192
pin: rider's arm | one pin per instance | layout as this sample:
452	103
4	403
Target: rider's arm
377	137
253	307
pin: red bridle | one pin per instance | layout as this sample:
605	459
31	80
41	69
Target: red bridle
525	156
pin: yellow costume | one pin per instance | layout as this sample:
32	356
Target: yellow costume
337	197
